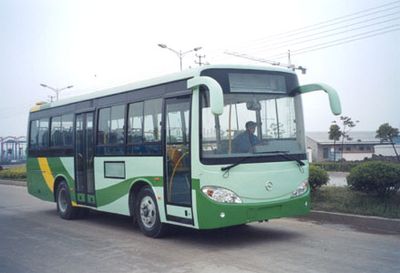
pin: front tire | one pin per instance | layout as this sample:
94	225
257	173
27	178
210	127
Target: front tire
64	205
147	214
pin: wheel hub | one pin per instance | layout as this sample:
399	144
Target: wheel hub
148	212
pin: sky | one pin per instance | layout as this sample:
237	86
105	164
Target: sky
352	45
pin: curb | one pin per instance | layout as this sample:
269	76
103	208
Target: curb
360	222
20	183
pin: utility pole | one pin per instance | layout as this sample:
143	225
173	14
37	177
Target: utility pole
179	53
51	98
199	62
56	90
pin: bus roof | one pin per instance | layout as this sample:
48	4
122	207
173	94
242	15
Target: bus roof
186	74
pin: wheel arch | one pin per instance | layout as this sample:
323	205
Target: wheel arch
135	188
57	181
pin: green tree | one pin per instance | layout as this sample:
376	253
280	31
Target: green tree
386	133
334	134
347	125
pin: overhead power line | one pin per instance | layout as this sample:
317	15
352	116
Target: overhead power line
329	22
318	29
322	34
341	41
334	32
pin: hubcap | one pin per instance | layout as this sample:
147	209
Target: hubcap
148	212
62	200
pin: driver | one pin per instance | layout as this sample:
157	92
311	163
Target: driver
245	141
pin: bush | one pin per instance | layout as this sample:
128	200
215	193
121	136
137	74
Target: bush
344	166
317	178
342	199
18	172
380	178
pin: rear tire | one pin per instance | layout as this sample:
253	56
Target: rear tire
147	214
64	205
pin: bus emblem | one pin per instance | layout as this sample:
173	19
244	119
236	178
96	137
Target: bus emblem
268	186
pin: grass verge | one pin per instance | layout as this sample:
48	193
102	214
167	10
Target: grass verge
342	199
14	173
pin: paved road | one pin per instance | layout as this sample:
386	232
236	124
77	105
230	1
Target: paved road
34	239
337	179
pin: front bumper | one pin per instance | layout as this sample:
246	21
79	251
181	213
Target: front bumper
211	214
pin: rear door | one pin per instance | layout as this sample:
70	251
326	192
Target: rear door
84	158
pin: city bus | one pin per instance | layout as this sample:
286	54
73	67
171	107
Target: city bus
165	151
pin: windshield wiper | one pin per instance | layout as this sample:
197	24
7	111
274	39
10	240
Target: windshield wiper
285	154
227	168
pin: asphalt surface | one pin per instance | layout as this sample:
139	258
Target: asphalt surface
34	239
338	179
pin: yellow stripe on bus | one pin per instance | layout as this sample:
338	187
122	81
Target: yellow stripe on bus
46	172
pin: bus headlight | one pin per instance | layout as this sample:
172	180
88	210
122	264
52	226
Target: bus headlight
301	189
221	195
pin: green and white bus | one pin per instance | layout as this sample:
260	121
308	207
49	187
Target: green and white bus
164	151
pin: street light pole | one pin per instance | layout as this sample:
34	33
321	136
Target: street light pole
179	53
56	90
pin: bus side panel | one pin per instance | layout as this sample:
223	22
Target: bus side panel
42	173
112	193
64	167
36	182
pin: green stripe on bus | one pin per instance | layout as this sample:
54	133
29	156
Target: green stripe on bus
57	168
36	182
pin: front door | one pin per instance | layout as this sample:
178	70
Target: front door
177	182
84	159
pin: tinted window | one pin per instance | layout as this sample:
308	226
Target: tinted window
152	120
104	126
144	127
117	134
56	132
111	130
67	129
61	130
135	123
111	125
43	133
34	134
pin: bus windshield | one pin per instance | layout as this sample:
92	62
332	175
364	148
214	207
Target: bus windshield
252	124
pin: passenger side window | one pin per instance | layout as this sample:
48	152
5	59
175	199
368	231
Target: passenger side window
34	134
39	134
111	130
67	126
152	120
61	131
144	127
104	126
44	133
111	126
56	132
135	123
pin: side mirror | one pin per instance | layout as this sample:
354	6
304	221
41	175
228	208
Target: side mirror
334	100
216	94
